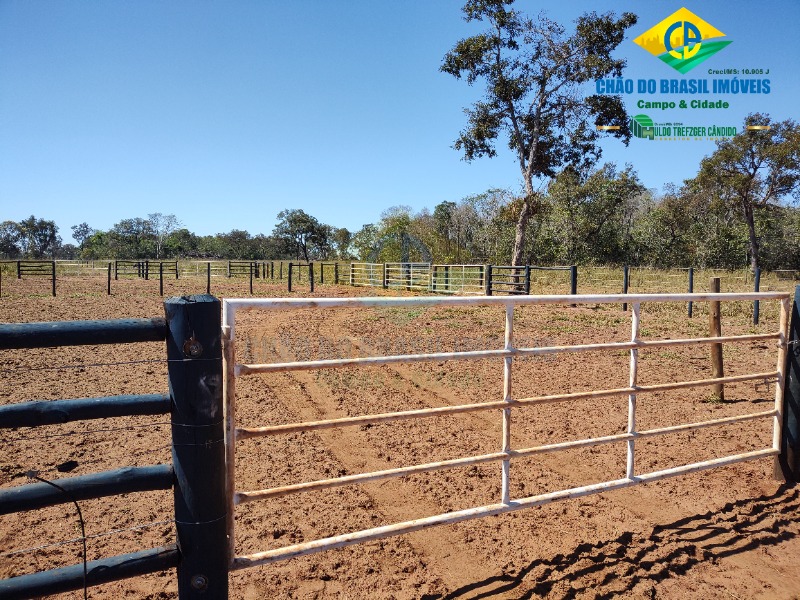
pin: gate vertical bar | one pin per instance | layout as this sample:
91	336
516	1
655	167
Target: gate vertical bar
507	362
229	393
788	463
715	330
634	374
194	352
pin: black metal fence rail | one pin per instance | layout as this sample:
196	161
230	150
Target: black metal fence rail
244	268
137	268
192	332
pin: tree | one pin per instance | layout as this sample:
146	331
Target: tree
38	237
307	236
589	212
9	239
535	74
162	226
81	233
753	170
340	239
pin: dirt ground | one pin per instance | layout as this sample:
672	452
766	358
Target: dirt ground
725	533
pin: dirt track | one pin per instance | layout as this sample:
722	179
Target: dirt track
727	533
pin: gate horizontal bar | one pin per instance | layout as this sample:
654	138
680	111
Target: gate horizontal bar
104	570
81	333
296	550
310	486
243	433
52	412
250	369
86	487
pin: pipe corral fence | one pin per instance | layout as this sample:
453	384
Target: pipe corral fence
784	439
202	371
191	331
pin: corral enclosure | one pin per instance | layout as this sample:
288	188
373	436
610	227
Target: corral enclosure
721	533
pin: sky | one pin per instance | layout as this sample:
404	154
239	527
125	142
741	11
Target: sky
224	113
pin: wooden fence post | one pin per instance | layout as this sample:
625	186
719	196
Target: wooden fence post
789	458
691	288
290	277
625	282
19	269
336	273
311	275
487	280
194	351
757	284
715	330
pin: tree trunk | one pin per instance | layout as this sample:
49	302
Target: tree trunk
521	231
751	230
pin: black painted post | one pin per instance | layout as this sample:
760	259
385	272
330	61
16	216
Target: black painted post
322	272
336	273
251	278
625	281
108	287
54	278
194	352
573	281
116	270
788	462
447	278
352	275
19	270
147	270
311	275
160	278
208	278
756	303
488	279
280	270
691	288
290	277
176	270
407	269
229	269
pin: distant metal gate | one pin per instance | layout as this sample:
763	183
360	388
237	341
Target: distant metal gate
506	453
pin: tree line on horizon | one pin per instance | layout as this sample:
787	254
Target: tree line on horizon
604	216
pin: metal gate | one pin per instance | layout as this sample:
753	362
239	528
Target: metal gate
504	405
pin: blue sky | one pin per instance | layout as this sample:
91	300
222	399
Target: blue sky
225	113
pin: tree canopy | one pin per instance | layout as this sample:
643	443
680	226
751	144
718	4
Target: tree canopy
534	73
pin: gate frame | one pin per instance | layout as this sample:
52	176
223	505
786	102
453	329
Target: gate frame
508	352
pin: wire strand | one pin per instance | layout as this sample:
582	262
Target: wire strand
88	537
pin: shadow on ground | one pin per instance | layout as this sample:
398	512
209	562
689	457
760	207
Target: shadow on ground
614	567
